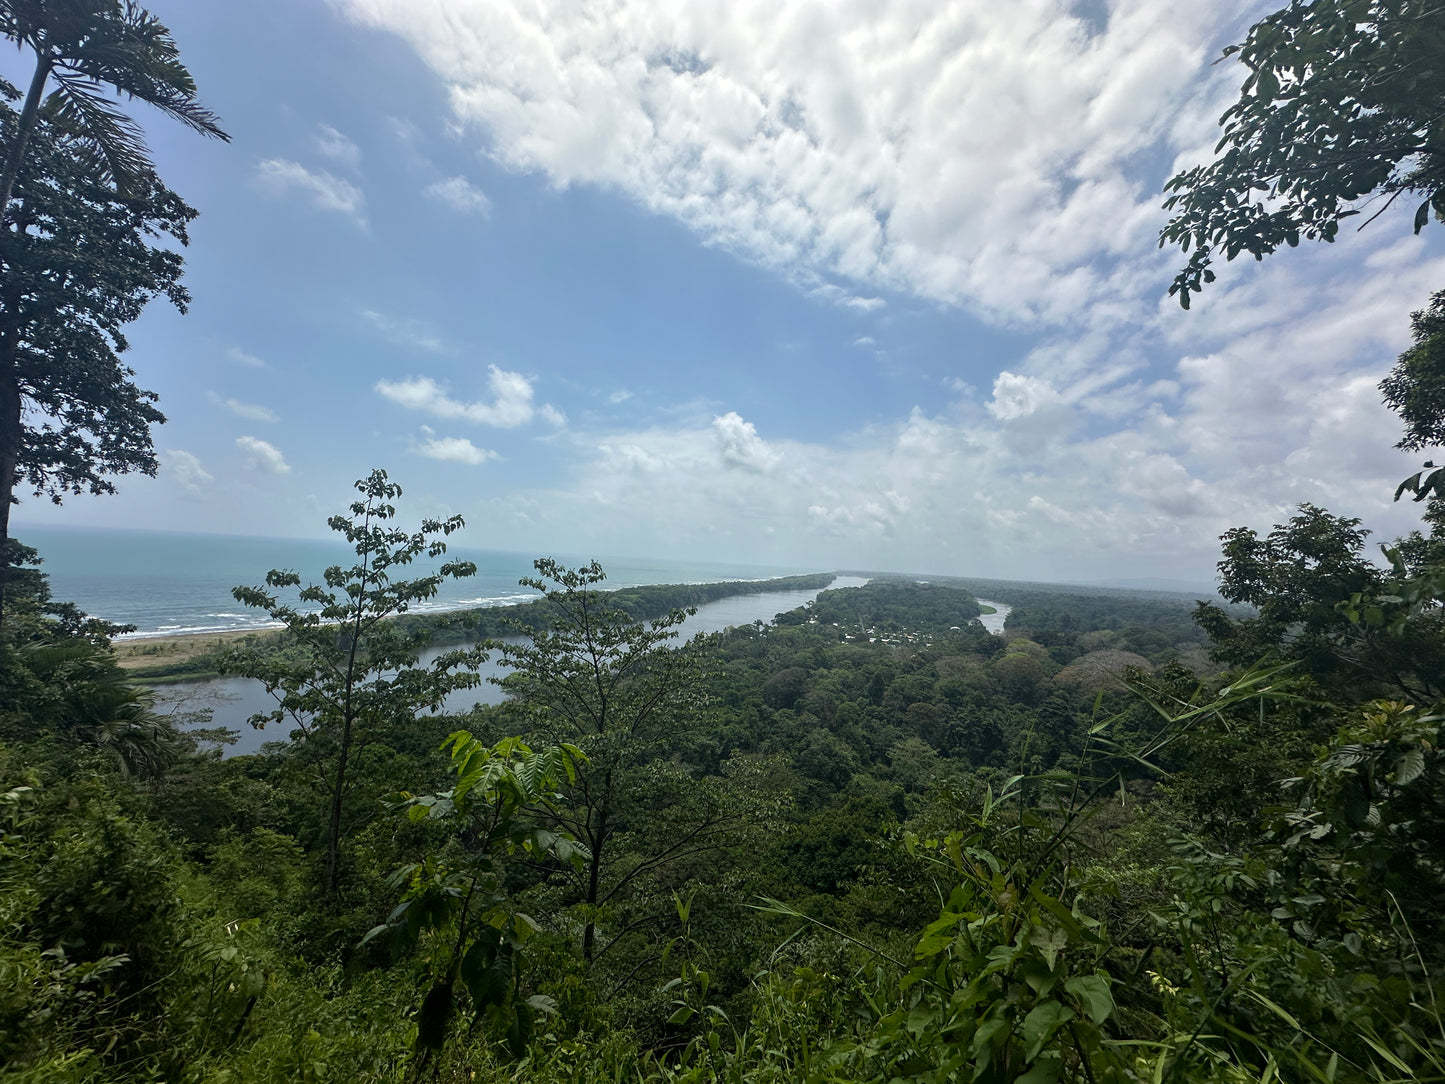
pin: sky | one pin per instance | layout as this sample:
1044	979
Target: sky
833	284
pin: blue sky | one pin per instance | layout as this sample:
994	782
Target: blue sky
819	284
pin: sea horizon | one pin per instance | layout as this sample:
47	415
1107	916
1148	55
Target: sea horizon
169	583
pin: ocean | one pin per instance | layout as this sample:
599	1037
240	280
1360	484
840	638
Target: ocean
168	583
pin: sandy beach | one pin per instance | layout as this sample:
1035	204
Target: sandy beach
144	652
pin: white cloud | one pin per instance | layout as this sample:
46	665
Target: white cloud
262	456
455	450
186	469
337	147
971	152
836	295
1005	159
1075	470
621	395
281	177
511	405
1016	396
461	195
242	357
741	446
253	412
405	332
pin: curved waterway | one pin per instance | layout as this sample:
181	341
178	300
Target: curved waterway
232	701
994	622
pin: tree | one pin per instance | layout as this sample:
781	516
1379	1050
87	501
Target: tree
614	687
346	675
1415	388
461	898
1345	99
88	45
1303	579
78	262
78	201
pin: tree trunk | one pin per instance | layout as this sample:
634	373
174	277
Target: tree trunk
333	834
594	883
23	127
10	412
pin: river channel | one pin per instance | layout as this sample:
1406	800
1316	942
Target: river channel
232	701
994	622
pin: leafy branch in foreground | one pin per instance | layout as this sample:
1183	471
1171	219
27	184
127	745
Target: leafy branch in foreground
352	675
1344	98
457	899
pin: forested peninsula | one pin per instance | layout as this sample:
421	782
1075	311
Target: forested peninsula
1136	838
203	656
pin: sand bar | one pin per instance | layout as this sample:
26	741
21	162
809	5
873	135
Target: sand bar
143	652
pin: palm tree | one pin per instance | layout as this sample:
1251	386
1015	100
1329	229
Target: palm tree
87	698
89	46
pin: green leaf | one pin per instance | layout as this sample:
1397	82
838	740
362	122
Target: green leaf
1050	942
1410	767
1039	976
1422	216
521	1029
1041	1023
988	1032
1047	1070
1093	994
486	973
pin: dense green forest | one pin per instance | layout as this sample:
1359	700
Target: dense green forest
1136	837
1079	850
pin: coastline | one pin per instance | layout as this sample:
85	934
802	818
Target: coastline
153	652
180	657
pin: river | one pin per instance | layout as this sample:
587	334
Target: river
232	701
994	622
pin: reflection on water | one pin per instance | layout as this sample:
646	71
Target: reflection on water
234	700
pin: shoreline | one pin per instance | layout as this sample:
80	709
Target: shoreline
166	657
143	651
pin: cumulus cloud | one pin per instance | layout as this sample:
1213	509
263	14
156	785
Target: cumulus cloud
1003	159
1073	471
740	445
1017	396
337	147
281	177
262	456
461	195
187	471
511	404
253	412
972	153
455	450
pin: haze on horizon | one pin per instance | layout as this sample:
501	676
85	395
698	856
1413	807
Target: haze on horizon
802	284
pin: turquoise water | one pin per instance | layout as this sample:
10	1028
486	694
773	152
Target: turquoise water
166	582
